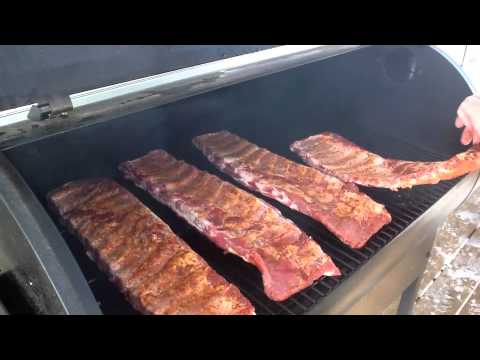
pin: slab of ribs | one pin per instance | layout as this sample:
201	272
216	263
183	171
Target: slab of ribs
337	156
155	269
236	221
349	214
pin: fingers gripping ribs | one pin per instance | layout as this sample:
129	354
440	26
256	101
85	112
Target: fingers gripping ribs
337	156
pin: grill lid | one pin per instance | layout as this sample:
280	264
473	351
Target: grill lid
32	72
60	110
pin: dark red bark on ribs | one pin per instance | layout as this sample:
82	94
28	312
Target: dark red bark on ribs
351	215
236	221
156	270
337	156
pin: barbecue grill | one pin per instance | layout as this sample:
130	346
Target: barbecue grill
397	101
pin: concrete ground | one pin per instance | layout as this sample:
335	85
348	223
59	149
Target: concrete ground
451	282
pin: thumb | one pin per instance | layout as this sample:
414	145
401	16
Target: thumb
459	122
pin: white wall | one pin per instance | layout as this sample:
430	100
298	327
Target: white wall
467	56
456	52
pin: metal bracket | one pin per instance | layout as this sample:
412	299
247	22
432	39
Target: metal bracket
51	107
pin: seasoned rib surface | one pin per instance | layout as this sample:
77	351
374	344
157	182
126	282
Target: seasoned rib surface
156	270
337	156
351	215
236	221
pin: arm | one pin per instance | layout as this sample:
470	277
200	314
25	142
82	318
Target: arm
468	116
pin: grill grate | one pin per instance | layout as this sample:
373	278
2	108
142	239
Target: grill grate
44	169
248	279
350	260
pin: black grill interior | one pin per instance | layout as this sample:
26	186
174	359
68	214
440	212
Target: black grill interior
272	112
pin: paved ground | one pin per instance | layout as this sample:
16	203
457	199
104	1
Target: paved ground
451	283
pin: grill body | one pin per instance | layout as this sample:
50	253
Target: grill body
399	102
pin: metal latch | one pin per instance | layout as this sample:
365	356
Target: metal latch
51	107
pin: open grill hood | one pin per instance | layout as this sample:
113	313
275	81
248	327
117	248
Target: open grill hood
388	99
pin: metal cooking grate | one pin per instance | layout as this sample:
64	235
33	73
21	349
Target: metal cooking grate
350	260
412	203
405	206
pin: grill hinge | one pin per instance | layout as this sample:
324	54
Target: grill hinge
53	106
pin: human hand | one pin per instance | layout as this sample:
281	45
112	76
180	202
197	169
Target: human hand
468	116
